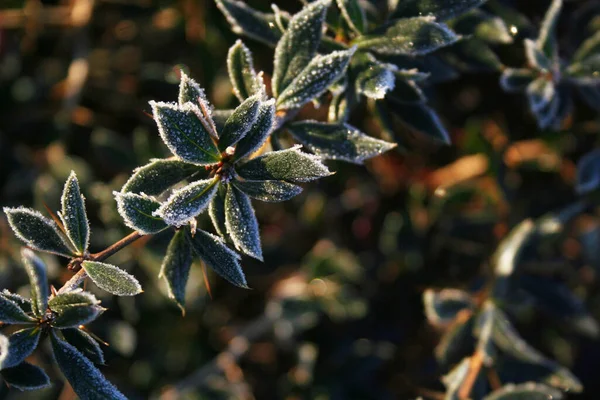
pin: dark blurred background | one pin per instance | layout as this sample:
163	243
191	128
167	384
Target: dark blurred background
335	311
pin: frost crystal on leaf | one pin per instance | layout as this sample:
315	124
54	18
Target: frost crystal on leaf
243	77
376	80
321	73
112	279
74	308
216	210
240	122
338	142
84	343
353	14
259	132
247	21
241	223
440	9
37	231
290	165
36	271
298	45
410	36
186	132
187	202
191	92
137	212
20	345
73	214
269	191
224	261
176	267
159	175
25	376
11	313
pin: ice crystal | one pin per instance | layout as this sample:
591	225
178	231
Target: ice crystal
241	223
187	202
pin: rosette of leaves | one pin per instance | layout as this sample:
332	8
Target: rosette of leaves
69	236
61	317
548	80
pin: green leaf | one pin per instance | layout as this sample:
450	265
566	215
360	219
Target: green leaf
240	122
112	279
25	376
456	342
186	132
298	45
586	72
176	267
546	41
440	9
241	223
87	380
269	191
517	79
353	14
36	271
290	165
422	119
244	79
473	55
313	81
442	307
23	303
11	313
525	391
220	117
159	175
74	308
339	109
38	232
73	215
588	173
338	141
224	261
258	133
137	211
411	36
246	21
20	346
216	210
187	202
191	92
541	94
589	48
86	344
535	57
483	25
374	79
407	91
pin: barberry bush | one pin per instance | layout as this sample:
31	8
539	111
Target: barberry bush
348	85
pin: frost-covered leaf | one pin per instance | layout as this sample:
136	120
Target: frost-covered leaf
85	379
240	122
540	93
73	215
245	20
11	313
440	9
20	345
176	267
290	165
353	14
298	45
586	72
159	175
546	41
241	223
517	79
410	36
190	91
525	391
37	231
186	132
137	211
442	307
338	141
36	271
112	279
269	191
589	48
85	344
536	57
3	348
312	81
242	75
23	303
224	261
74	308
216	210
422	119
483	25
373	78
588	173
187	202
258	133
25	376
